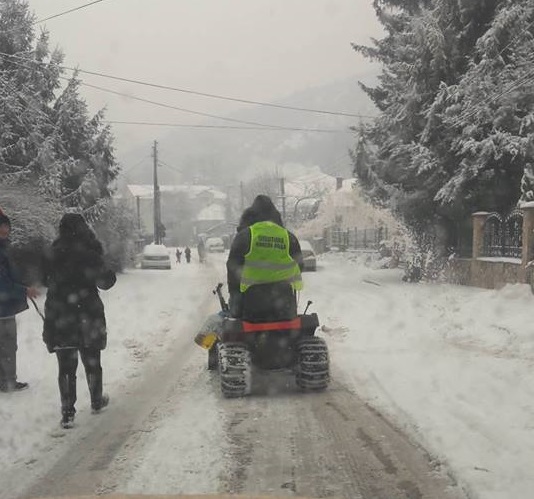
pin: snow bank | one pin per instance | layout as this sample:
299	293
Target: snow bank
451	365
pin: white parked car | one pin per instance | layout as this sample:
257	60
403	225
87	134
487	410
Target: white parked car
308	256
155	256
215	245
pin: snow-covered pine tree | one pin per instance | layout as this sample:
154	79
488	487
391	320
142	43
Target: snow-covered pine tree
416	57
84	148
490	114
34	218
364	160
29	75
51	150
455	128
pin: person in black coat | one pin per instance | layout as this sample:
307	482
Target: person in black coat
261	210
187	252
201	250
13	300
74	313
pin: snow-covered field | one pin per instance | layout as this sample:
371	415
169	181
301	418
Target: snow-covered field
450	365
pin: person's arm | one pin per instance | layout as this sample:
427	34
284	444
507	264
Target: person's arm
236	259
105	277
294	250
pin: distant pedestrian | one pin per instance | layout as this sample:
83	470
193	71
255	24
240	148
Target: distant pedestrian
74	314
201	248
187	252
178	255
13	300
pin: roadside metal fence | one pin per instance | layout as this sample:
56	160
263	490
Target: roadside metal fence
355	238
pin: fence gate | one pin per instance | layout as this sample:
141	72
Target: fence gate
503	236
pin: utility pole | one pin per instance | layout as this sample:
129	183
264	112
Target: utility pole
157	214
283	196
138	202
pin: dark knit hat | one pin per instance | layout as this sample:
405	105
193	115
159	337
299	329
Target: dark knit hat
4	219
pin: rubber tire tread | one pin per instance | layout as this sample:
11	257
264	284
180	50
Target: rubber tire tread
313	364
235	364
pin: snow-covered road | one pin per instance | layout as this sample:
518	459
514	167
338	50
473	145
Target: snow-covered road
151	315
448	367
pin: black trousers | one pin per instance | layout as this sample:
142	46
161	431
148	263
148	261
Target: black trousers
68	363
8	352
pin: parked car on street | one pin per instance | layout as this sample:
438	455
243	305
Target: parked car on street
155	256
308	256
215	245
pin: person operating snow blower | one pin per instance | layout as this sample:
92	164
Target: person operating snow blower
264	258
263	255
262	328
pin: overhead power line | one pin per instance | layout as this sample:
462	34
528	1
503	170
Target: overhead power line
174	168
516	38
220	97
139	163
195	92
229	127
515	84
262	126
473	109
54	16
177	108
59	14
26	63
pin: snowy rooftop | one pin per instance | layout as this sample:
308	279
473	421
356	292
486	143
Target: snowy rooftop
146	191
319	185
212	212
310	184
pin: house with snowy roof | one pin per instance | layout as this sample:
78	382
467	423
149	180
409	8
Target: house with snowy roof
186	210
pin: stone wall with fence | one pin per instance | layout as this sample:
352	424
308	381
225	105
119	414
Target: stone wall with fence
503	247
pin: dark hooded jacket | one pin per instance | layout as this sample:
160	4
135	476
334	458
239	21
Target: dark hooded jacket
261	210
12	292
74	270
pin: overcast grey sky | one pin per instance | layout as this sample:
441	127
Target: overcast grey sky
255	49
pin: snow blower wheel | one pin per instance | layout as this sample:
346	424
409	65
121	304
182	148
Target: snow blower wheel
313	365
235	369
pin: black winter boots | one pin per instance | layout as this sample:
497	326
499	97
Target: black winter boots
98	400
67	391
104	401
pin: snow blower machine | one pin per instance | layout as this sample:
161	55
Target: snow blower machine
269	335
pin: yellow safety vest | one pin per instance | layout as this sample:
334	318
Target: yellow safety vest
268	259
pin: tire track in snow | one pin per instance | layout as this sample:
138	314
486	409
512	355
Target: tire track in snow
323	445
